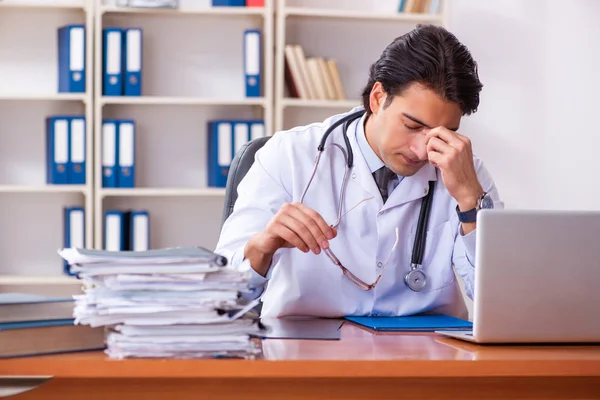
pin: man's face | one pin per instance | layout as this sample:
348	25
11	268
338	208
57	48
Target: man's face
397	132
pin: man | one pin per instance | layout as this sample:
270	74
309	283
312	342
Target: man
285	227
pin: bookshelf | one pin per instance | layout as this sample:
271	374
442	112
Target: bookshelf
351	32
172	113
31	210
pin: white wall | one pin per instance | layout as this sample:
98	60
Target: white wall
536	129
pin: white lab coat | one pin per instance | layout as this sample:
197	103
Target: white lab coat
307	284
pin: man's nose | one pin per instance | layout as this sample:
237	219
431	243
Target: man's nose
419	146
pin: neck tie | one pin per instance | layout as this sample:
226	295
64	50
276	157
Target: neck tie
382	178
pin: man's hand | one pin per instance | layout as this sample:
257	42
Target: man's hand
451	152
294	225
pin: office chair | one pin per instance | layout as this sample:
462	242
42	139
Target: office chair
241	163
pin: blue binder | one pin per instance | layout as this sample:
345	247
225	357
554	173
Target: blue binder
110	151
112	66
57	150
253	62
132	61
220	152
116	230
229	3
71	59
126	154
73	230
139	234
77	136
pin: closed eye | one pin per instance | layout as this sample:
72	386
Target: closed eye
413	128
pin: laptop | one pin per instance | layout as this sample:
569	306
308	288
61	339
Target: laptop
537	278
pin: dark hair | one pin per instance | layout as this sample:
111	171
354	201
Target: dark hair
432	56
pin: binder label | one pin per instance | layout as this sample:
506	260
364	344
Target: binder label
257	130
126	145
76	51
252	53
140	232
134	50
76	228
113	53
61	143
113	232
109	141
224	144
77	140
240	136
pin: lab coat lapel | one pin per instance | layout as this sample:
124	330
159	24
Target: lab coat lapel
412	187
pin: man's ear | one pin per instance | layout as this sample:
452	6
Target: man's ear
377	97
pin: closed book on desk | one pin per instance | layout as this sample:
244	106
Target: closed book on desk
30	338
32	324
71	59
412	323
25	307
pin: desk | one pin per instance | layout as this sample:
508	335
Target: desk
361	365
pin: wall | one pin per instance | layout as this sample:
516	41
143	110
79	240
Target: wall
535	129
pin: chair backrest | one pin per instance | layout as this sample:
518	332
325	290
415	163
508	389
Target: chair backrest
241	163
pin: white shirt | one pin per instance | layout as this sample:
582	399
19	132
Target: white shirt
307	284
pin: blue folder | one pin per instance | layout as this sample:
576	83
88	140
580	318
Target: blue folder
71	59
412	323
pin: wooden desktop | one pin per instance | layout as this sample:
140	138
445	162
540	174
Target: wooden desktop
362	365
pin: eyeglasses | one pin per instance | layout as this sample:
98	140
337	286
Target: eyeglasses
355	279
347	273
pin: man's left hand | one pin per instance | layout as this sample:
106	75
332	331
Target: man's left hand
451	152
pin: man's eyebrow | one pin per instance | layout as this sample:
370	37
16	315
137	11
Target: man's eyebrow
422	123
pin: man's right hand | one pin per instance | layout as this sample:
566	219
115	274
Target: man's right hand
294	225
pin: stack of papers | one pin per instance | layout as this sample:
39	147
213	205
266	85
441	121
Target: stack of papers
178	302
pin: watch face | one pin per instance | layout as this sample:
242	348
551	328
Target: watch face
487	202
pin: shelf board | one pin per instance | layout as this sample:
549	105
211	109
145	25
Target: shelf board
360	14
43	189
162	192
165	100
291	102
43	96
228	11
57	5
37	280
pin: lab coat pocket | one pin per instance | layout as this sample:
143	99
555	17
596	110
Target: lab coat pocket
437	257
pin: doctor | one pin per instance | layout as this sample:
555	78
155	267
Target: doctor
377	224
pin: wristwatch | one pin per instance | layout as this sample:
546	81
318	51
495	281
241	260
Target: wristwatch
484	202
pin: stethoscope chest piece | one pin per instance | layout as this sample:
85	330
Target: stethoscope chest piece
415	279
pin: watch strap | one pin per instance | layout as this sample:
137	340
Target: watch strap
467	216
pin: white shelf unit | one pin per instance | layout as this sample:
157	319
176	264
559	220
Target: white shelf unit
192	68
353	32
31	210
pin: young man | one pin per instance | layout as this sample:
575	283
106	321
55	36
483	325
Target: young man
405	151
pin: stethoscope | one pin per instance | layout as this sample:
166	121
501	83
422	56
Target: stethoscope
415	279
